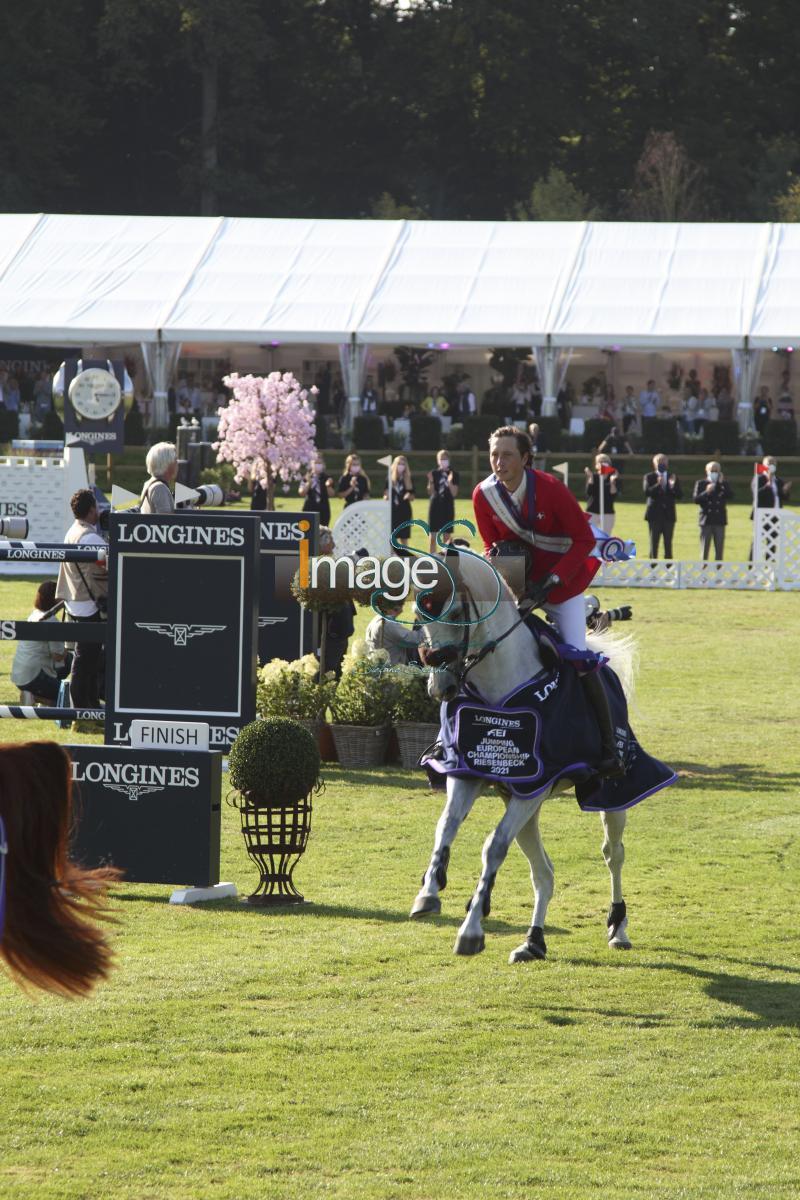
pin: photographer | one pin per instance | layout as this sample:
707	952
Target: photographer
162	467
38	667
84	588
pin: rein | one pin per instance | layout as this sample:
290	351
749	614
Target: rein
451	653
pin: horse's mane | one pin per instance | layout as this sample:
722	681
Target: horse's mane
50	940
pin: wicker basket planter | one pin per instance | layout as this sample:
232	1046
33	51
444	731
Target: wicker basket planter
320	730
275	836
414	737
361	745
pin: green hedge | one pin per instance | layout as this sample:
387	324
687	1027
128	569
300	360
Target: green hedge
780	437
659	436
368	433
721	437
426	433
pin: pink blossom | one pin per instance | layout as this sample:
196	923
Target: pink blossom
268	423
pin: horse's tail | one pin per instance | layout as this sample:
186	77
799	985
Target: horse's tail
622	652
50	939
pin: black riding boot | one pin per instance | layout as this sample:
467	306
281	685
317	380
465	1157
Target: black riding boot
611	765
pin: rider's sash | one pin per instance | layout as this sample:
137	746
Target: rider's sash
504	507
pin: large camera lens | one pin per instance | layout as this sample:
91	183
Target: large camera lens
211	494
14	527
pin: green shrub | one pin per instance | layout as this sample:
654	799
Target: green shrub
594	432
294	689
364	694
721	437
411	701
780	437
275	760
659	435
426	433
477	431
368	433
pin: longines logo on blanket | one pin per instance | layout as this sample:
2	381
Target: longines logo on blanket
181	535
180	634
140	776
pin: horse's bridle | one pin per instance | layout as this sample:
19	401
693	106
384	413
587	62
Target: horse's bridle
451	653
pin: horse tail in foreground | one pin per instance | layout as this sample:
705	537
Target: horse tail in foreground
48	904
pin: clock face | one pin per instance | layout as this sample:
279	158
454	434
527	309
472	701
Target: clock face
95	394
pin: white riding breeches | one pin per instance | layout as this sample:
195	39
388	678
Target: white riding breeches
570	620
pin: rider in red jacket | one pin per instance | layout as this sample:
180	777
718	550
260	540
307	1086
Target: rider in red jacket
520	505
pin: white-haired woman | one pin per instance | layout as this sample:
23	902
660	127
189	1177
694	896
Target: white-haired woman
162	467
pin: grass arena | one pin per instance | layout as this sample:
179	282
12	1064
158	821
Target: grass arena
338	1049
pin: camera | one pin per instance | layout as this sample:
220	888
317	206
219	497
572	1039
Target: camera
14	527
598	621
207	493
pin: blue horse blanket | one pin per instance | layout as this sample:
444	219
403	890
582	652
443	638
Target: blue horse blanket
544	731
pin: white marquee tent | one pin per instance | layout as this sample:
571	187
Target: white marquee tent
162	281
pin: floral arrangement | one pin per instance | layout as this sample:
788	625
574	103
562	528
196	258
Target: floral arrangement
411	700
267	430
294	689
364	695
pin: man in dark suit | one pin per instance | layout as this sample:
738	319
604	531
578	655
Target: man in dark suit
770	491
661	489
712	495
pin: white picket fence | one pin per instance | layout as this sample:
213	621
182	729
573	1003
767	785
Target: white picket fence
776	565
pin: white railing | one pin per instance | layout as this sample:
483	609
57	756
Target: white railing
777	565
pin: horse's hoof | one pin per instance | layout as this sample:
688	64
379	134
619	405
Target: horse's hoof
426	906
527	953
533	948
618	936
469	944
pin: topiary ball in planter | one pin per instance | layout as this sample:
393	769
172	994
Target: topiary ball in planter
274	761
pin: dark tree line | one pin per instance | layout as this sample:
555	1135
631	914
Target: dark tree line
474	109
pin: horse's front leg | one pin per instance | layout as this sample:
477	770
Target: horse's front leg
614	854
461	795
529	840
470	939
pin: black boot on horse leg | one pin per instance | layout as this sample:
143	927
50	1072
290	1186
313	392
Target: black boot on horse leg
611	765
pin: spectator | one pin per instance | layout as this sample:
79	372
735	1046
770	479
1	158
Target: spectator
467	404
628	404
661	489
604	480
702	414
520	400
385	632
354	483
771	491
369	397
538	440
162	467
724	404
689	409
38	667
442	489
614	443
762	410
712	495
316	490
401	493
649	400
84	588
785	405
11	394
338	623
435	403
42	396
692	383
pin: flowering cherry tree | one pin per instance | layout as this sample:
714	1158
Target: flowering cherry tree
267	429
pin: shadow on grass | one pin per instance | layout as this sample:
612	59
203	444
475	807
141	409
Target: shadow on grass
311	908
735	777
769	1003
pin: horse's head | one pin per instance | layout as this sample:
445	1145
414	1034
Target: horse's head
459	615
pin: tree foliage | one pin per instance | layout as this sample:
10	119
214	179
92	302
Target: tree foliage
354	108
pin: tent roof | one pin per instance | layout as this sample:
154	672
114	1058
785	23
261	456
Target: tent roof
84	279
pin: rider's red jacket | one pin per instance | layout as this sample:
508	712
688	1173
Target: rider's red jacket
563	539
